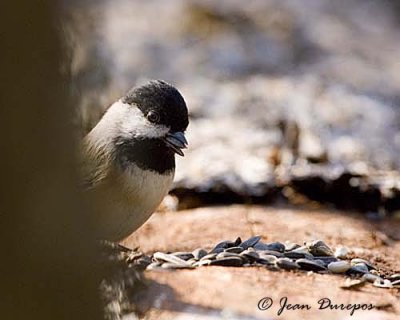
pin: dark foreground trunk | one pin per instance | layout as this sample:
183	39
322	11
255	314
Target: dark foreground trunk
47	268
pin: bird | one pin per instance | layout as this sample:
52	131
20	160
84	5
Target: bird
129	157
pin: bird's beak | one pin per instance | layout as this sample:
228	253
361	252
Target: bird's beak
176	141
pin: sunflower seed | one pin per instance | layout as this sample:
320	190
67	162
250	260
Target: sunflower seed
274	246
396	284
298	253
164	257
154	265
380	283
203	262
192	261
271	253
227	262
310	265
287	264
289	246
251	255
371	277
183	255
228	254
223	245
367	263
266	259
217	250
339	266
210	256
199	253
169	265
314	256
394	277
319	248
234	249
359	268
260	246
351	284
326	260
250	242
341	252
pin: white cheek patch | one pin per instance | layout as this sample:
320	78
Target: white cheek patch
133	124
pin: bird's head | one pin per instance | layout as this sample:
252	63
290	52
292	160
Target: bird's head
156	111
145	127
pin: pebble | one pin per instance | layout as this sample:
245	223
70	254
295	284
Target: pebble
339	266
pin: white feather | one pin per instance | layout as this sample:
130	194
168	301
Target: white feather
126	199
126	121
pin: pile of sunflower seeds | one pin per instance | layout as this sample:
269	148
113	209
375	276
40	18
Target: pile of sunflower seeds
313	256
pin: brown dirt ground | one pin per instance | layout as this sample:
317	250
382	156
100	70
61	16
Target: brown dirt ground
233	293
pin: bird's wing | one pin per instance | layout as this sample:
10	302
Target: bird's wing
95	165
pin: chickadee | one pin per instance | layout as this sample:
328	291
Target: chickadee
129	157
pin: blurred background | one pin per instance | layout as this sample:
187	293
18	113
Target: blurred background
285	97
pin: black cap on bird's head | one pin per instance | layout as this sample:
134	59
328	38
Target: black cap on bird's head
162	101
163	105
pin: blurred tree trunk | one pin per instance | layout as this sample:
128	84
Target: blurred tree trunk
47	268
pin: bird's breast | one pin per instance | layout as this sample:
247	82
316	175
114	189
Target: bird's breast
128	199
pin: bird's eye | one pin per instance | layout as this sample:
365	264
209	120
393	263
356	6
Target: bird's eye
153	116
